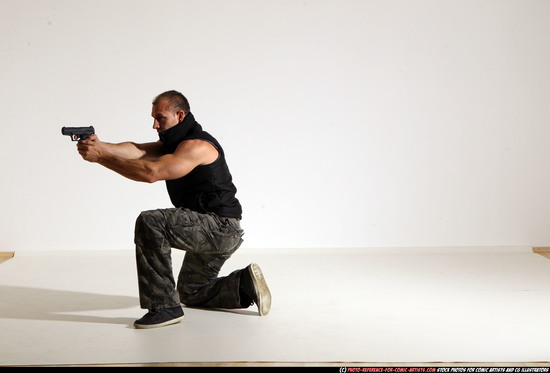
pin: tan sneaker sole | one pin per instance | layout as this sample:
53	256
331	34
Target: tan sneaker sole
262	291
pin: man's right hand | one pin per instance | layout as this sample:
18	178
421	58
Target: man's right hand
91	149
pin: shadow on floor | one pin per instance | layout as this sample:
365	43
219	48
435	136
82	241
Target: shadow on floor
17	302
253	311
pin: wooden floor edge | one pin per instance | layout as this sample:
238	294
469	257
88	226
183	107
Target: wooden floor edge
7	254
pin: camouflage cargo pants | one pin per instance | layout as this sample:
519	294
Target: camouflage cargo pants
208	241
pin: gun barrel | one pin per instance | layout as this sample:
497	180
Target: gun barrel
72	130
78	133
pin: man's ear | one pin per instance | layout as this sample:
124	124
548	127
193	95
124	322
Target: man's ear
181	115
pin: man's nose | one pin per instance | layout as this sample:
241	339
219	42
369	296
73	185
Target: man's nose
156	124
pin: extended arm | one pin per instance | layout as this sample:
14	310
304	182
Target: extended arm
136	162
130	150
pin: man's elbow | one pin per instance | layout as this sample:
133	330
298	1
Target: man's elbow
151	178
151	175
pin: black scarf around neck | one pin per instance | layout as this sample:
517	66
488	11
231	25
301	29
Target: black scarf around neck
173	136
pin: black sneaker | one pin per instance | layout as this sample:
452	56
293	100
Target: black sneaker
161	317
254	289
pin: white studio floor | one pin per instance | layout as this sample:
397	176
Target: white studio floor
367	306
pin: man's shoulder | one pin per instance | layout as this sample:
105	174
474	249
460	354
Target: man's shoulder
193	144
197	149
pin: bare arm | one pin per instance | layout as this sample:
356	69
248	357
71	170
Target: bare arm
143	163
131	150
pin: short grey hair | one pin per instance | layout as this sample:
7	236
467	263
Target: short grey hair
177	101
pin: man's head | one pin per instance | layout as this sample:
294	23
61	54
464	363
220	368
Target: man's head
169	109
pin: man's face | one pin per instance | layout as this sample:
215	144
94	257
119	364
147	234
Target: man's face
165	118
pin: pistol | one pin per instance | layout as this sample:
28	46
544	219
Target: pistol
78	133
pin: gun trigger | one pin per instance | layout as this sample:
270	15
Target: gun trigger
76	137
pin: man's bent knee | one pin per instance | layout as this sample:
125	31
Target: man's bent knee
148	226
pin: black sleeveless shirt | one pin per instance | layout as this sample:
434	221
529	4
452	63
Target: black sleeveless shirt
207	188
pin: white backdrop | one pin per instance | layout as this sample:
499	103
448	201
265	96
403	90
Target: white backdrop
346	123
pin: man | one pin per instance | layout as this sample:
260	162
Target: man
205	221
